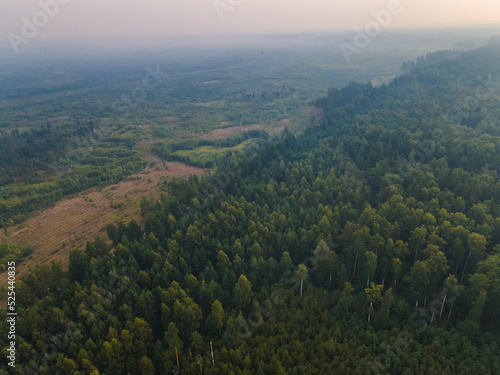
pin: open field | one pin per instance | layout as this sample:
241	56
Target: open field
72	222
227	132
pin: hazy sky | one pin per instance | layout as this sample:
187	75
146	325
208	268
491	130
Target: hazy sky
117	18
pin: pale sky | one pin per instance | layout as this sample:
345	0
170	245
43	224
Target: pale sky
122	18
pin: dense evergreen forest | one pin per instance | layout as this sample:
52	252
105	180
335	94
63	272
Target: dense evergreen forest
368	244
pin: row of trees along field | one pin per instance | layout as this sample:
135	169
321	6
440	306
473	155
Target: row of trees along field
39	167
330	252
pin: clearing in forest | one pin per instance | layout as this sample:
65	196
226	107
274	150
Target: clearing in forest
72	222
223	133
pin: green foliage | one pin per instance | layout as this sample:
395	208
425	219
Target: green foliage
10	252
377	247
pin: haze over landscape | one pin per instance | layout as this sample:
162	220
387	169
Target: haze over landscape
109	21
240	187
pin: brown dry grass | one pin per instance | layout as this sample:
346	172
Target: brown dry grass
226	132
72	222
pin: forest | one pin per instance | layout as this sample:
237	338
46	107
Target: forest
367	244
66	120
